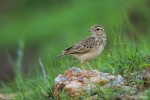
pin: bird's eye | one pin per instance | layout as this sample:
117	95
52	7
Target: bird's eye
97	29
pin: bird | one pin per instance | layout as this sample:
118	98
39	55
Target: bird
89	47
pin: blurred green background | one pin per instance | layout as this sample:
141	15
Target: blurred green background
32	29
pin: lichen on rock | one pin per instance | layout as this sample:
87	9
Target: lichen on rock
76	82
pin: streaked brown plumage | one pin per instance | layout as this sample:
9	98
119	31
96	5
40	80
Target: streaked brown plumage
88	48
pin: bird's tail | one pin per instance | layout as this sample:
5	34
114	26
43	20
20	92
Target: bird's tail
59	56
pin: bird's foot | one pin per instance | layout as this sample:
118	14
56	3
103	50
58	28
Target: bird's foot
89	73
93	73
85	73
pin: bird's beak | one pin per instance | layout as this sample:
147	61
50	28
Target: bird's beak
89	30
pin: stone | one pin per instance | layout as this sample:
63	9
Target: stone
76	82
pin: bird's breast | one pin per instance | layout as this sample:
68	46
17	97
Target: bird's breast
90	55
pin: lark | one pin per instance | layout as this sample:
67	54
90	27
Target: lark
89	47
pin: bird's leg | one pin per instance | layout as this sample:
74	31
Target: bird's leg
84	74
91	67
82	66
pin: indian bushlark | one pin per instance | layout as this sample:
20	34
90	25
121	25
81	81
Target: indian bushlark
88	48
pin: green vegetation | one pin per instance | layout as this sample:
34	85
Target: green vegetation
34	32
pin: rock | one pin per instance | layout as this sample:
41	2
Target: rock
132	74
133	83
146	79
92	98
76	82
61	79
126	97
135	86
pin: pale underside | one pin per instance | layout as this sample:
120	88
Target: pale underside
89	55
87	49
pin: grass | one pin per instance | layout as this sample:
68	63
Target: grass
123	57
126	51
126	60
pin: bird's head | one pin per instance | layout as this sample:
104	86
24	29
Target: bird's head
97	30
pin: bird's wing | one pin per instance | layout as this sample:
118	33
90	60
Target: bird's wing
84	46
